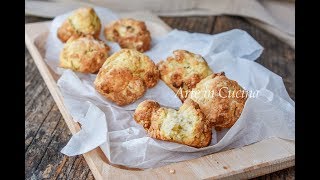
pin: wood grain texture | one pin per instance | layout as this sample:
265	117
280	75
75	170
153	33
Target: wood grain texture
46	132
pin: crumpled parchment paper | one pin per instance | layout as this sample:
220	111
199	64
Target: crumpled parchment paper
270	114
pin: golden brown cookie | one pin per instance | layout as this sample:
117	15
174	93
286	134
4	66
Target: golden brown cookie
125	76
83	21
129	33
84	54
220	99
183	71
185	126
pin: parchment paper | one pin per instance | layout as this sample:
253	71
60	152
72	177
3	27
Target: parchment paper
124	142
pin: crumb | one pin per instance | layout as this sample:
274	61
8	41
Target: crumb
172	171
224	167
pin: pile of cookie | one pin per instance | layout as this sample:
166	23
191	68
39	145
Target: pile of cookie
126	75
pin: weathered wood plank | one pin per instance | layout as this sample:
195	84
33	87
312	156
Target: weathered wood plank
67	167
202	24
38	102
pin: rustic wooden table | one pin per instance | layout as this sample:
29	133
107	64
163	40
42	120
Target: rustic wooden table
46	133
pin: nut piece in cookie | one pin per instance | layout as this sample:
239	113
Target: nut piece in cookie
83	21
220	99
84	54
185	126
129	33
183	71
125	76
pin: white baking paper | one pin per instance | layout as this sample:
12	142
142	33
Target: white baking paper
124	142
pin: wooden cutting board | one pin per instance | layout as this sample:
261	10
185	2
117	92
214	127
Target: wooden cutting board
241	163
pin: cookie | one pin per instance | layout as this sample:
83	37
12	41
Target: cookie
185	126
125	76
220	99
129	33
83	21
182	71
84	54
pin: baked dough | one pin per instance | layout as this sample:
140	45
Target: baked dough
125	76
182	71
220	99
84	54
185	126
129	33
83	21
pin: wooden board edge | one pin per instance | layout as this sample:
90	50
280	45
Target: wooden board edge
265	170
260	170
